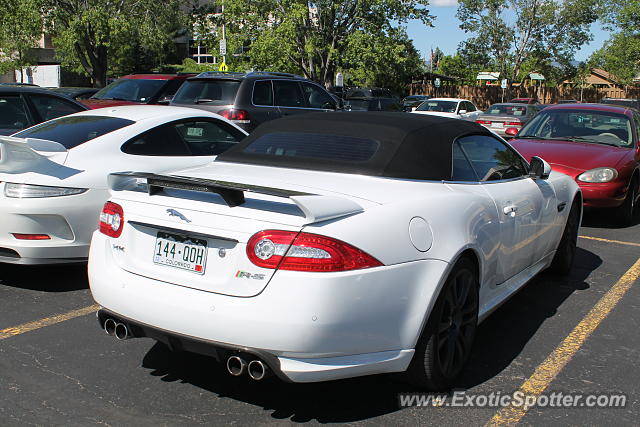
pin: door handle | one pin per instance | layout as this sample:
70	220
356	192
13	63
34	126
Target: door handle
510	210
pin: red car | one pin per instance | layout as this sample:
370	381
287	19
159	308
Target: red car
595	144
137	89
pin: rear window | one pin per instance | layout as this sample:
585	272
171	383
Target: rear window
507	110
314	146
211	92
75	130
134	90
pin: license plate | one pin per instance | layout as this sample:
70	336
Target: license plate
497	125
184	252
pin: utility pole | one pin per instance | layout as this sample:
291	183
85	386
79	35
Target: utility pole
224	36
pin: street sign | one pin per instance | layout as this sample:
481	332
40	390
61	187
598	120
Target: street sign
339	80
504	84
437	82
223	67
223	47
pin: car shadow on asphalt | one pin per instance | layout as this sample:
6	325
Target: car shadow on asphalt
45	278
500	340
605	218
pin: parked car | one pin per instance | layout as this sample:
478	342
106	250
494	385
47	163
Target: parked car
524	101
372	104
22	106
568	101
53	177
596	145
499	117
368	92
449	107
133	89
625	102
249	99
411	102
333	245
76	93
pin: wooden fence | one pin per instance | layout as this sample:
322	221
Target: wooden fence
484	96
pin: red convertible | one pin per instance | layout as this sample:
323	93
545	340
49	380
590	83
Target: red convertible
595	144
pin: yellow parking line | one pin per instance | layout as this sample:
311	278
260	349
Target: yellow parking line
48	321
620	242
556	361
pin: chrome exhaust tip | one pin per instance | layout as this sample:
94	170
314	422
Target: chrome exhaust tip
109	326
257	370
236	365
121	331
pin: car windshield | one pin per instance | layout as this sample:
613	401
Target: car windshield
209	91
438	106
72	131
135	90
507	110
598	127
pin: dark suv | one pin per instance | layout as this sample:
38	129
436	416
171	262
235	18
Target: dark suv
134	89
249	99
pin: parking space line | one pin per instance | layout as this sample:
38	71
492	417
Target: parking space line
619	242
47	321
545	373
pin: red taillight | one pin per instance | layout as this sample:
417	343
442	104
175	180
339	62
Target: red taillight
513	124
21	236
484	122
235	115
111	219
290	250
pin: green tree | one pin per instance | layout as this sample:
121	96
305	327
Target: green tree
20	31
92	36
312	36
512	32
620	55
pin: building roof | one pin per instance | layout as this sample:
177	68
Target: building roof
488	75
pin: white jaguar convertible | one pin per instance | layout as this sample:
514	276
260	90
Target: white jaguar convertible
333	245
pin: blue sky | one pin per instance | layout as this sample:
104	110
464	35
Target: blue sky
447	34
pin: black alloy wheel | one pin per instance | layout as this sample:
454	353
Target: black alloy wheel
445	344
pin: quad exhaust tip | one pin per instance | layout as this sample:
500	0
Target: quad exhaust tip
257	370
236	365
121	331
110	326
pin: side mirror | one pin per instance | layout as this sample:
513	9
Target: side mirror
329	106
462	112
538	168
511	131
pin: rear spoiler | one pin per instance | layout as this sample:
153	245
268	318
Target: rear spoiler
315	207
18	155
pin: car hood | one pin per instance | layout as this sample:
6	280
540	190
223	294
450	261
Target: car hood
575	156
103	103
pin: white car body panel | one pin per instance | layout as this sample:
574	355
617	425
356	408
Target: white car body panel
71	220
471	115
322	326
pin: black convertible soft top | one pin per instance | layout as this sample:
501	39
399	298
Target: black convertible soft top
397	145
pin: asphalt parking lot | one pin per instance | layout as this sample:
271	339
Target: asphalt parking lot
576	335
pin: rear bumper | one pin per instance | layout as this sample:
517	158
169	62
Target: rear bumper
68	221
319	326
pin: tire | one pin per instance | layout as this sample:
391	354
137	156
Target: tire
445	344
626	212
566	252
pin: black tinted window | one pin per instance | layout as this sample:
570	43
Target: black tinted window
316	146
136	90
262	93
161	141
50	107
75	130
316	97
491	159
210	91
288	94
13	115
208	138
462	170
